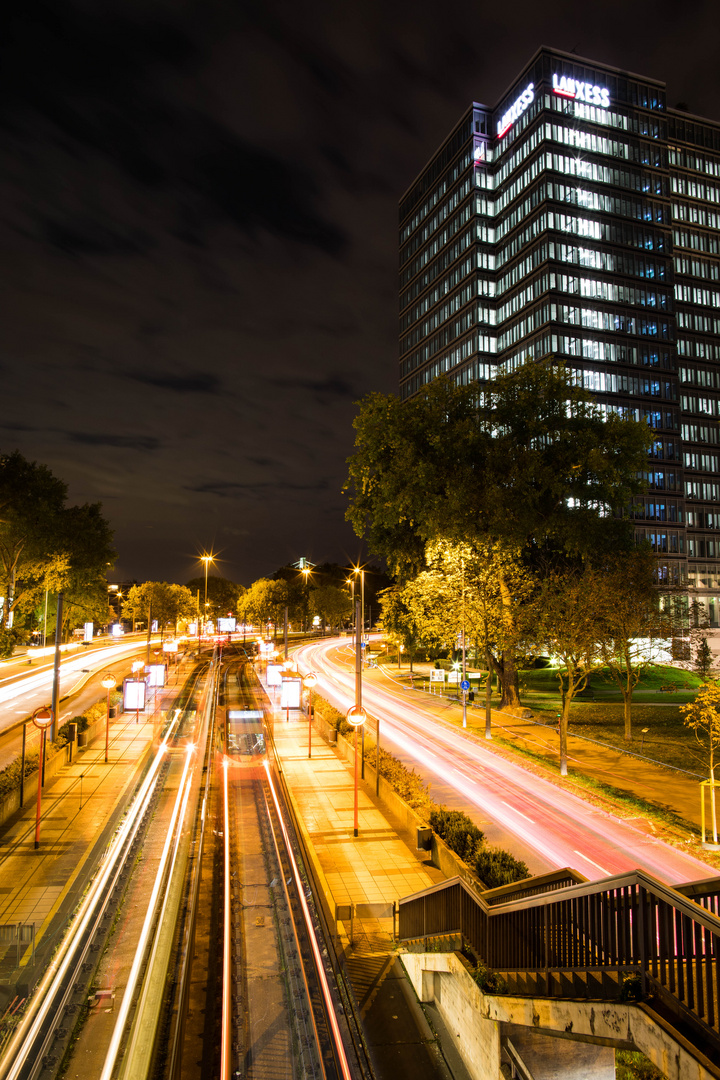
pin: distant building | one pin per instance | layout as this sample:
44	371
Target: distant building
579	218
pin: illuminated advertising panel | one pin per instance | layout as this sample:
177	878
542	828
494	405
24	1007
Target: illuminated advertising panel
516	110
134	695
156	674
290	690
437	675
116	629
226	626
274	674
170	646
581	91
88	632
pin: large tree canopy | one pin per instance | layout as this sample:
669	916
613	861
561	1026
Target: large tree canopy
528	458
46	545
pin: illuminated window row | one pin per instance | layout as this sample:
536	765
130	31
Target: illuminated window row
611	262
702	324
696	189
664	480
651	510
622	206
696	215
611	292
696	241
694	294
521	211
429	204
612	321
605	174
699	350
699	268
690	159
610	351
702	489
532	230
634	125
701	406
665	542
700	433
700	462
700	377
533	321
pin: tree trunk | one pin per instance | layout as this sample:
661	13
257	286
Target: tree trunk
627	711
510	683
488	695
564	720
510	678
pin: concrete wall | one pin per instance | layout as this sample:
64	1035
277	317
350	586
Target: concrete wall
477	1020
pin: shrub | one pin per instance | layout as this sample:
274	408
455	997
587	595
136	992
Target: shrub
406	782
496	867
489	981
459	832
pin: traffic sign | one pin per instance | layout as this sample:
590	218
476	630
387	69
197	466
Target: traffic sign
465	685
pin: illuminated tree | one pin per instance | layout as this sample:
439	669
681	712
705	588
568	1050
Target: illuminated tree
159	600
702	716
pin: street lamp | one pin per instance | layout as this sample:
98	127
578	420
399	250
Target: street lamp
206	559
108	682
42	719
309	680
356	717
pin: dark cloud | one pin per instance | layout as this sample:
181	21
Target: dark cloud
94	238
197	382
237	489
119	442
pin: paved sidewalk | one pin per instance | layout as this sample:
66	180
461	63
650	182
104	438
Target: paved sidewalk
79	806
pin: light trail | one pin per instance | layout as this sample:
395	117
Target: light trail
340	1053
44	999
129	991
558	825
226	1040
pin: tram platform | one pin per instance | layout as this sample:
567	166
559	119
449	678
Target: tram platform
368	873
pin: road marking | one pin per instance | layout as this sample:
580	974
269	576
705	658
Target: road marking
600	868
516	811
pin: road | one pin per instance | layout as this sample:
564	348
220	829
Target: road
561	828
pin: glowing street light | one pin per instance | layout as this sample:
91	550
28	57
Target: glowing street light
108	682
309	680
42	719
356	717
206	559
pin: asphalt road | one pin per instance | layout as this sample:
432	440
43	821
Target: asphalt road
557	827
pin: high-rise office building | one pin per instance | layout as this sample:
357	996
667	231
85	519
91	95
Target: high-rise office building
579	218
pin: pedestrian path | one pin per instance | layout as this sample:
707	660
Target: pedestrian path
39	887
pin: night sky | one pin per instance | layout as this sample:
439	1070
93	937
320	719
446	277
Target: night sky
199	239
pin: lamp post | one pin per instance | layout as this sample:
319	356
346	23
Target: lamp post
42	719
108	682
206	559
356	717
309	680
137	665
351	583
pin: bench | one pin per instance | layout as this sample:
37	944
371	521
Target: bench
669	689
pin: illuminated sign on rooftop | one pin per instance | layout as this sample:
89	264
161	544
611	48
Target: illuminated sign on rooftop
516	110
581	91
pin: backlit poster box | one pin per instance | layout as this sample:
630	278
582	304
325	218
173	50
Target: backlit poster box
290	690
437	675
274	674
156	674
134	695
88	631
117	629
226	626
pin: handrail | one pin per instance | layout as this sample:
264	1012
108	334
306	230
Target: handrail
627	921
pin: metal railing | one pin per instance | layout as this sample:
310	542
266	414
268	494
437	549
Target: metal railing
630	922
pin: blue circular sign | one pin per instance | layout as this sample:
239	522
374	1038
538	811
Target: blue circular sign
465	685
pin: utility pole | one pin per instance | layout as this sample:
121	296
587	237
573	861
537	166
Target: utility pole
56	673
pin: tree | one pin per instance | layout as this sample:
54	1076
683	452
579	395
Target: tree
222	595
702	716
332	604
527	459
398	622
31	501
159	600
264	602
633	622
463	592
565	624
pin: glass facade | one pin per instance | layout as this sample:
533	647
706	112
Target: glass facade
580	218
